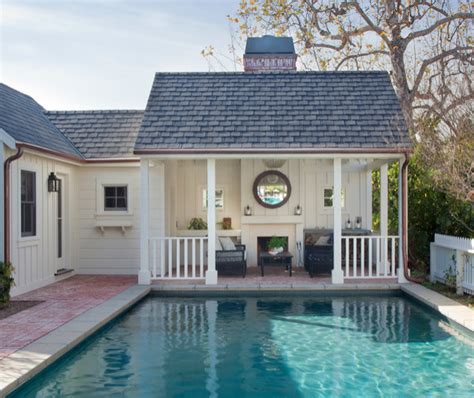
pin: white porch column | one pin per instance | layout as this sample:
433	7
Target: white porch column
400	273
211	273
337	275
144	277
383	216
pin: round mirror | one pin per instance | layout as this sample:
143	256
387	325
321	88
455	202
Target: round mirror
272	189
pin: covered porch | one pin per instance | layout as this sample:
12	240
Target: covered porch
326	191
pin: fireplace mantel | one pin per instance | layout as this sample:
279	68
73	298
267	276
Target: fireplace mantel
271	220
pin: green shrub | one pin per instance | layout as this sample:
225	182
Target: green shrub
6	281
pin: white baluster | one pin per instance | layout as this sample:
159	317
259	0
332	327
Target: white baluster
201	259
186	258
170	258
162	255
354	254
178	259
370	256
362	257
154	257
347	256
194	257
392	265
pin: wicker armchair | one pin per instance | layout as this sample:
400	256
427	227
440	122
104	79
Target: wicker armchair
232	262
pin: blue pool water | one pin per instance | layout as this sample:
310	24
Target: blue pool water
383	346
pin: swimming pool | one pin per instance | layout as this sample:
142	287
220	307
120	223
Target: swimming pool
267	347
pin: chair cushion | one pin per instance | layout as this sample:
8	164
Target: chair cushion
229	257
218	244
227	243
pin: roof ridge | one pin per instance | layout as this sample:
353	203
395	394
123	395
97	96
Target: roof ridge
59	112
279	72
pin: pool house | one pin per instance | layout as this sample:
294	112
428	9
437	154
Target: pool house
201	183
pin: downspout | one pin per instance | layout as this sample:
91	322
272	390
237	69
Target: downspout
405	221
6	202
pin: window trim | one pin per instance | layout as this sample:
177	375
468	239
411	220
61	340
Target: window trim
100	196
343	197
26	166
202	189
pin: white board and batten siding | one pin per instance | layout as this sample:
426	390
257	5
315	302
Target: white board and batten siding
308	179
35	258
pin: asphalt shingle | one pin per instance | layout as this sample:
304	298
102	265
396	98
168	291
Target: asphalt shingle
305	110
101	133
23	118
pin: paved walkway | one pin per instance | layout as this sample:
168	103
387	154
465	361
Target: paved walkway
63	301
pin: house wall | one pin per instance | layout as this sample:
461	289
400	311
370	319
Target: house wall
35	258
186	188
112	251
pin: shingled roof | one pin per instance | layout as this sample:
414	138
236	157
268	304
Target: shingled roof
100	134
274	110
23	119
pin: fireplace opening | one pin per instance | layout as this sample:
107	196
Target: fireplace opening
262	245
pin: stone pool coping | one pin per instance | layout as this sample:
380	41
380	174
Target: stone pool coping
25	363
460	315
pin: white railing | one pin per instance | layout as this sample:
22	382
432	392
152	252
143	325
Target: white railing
453	256
174	257
369	256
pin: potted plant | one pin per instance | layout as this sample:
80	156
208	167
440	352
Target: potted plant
197	223
276	244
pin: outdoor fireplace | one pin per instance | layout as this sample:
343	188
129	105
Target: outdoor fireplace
262	245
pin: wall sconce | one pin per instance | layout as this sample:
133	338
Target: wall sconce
298	210
248	210
53	183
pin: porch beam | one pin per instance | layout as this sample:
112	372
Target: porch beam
391	156
211	273
337	274
144	277
377	163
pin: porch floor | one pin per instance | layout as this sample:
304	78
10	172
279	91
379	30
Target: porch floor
61	302
274	276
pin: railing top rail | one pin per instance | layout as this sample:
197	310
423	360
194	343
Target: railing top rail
369	236
177	237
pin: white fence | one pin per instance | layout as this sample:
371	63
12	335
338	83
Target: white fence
369	256
178	257
452	256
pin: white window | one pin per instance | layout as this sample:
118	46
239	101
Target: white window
328	197
115	198
219	199
28	203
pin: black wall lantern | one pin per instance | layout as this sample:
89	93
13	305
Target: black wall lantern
53	183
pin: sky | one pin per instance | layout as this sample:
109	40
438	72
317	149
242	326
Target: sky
102	54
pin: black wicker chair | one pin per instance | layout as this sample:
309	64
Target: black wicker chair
232	262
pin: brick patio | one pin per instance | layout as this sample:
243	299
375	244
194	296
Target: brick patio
63	301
